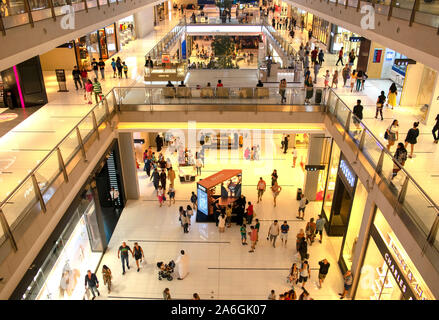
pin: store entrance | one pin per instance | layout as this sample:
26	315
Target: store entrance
341	208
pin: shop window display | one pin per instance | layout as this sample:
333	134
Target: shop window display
388	272
351	238
78	249
110	36
332	177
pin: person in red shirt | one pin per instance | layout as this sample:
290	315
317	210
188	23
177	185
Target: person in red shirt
261	188
253	237
219	84
314	54
340	57
249	213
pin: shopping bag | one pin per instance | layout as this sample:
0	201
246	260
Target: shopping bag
86	295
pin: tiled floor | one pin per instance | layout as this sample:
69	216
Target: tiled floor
220	267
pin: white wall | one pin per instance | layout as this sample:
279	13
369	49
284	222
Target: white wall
144	21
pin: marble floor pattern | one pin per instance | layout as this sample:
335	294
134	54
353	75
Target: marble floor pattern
220	266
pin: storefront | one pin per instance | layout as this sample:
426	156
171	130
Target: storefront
337	208
79	240
95	45
391	70
330	181
341	37
320	29
388	272
126	30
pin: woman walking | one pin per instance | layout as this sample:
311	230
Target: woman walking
304	274
294	274
379	106
171	194
106	274
400	156
282	89
309	89
189	213
411	138
273	177
359	80
276	189
392	133
299	236
185	222
353	79
335	79
138	254
391	97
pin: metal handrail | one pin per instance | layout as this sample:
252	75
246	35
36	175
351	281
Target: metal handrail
33	171
386	151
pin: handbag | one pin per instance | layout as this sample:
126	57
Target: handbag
386	134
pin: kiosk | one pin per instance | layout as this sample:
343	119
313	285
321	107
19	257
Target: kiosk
230	182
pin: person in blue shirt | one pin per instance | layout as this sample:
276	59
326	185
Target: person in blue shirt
284	228
113	65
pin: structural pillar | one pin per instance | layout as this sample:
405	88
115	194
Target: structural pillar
129	170
314	158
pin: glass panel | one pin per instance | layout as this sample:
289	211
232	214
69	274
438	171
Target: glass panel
355	218
332	177
12	7
38	4
22	200
332	100
371	149
99	110
388	165
342	113
86	127
376	282
47	172
69	147
418	207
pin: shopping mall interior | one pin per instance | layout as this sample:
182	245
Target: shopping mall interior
114	115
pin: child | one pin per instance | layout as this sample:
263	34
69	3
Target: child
327	76
243	234
171	194
125	70
113	65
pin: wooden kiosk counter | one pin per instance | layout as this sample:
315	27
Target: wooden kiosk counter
208	194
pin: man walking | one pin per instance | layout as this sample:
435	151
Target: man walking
249	213
102	68
323	271
340	57
261	188
284	228
94	65
320	223
76	77
286	139
92	282
302	206
347	279
273	232
253	237
122	254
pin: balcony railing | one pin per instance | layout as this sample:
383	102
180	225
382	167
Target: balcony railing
33	193
417	205
38	187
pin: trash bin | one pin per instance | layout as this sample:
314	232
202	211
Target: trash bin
299	194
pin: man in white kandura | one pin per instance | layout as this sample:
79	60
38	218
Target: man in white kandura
182	264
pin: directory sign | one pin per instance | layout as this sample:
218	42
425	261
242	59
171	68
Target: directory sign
202	200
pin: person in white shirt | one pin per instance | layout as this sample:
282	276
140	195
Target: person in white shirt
273	232
198	164
302	205
294	156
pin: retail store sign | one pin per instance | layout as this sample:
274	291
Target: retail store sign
393	265
347	173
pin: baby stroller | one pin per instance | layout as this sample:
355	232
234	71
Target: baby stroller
166	270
